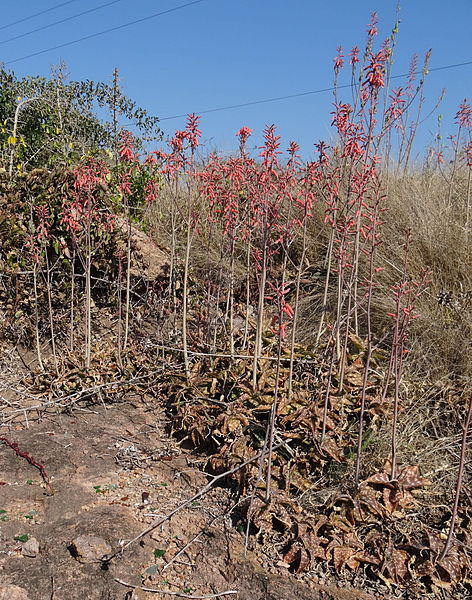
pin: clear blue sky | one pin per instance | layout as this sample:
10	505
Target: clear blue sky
223	52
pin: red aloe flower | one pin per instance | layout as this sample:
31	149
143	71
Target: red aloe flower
243	134
270	149
354	56
341	117
193	133
371	27
376	70
464	115
338	60
468	154
397	102
126	150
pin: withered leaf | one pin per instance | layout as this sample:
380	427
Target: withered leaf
359	344
304	561
340	522
321	521
354	376
315	545
299	558
361	557
387	495
424	569
331	448
379	479
402	499
435	542
341	556
410	478
451	564
368	497
291	554
396	564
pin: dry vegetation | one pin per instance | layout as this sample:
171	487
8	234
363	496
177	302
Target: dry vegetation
319	314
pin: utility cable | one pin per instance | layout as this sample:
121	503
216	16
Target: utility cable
80	14
42	12
94	35
309	93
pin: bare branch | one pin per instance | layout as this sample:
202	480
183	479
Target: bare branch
201	492
179	594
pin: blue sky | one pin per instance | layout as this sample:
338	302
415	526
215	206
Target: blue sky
217	53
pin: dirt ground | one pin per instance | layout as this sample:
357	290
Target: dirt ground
114	470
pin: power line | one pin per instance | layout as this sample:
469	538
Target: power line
94	35
80	14
42	12
309	93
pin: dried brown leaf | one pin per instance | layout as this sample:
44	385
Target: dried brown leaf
435	542
368	497
379	479
292	554
452	565
410	479
355	377
361	557
298	558
331	448
340	523
396	564
341	555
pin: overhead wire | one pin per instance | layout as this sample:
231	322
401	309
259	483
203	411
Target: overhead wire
308	93
42	28
41	12
111	29
174	9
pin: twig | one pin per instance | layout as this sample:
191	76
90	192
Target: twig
31	461
238	356
460	475
185	503
179	594
182	550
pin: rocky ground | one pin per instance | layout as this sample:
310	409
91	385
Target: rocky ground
114	470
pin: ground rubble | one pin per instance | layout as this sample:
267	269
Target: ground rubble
114	470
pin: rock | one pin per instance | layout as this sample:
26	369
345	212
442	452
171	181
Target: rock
30	548
89	548
138	594
13	592
148	259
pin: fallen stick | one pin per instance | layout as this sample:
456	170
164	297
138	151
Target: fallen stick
182	505
179	594
31	461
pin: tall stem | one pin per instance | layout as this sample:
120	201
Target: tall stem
50	310
295	308
231	300
36	315
260	314
72	298
185	292
248	293
329	258
468	207
120	310
88	297
460	476
128	273
19	106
